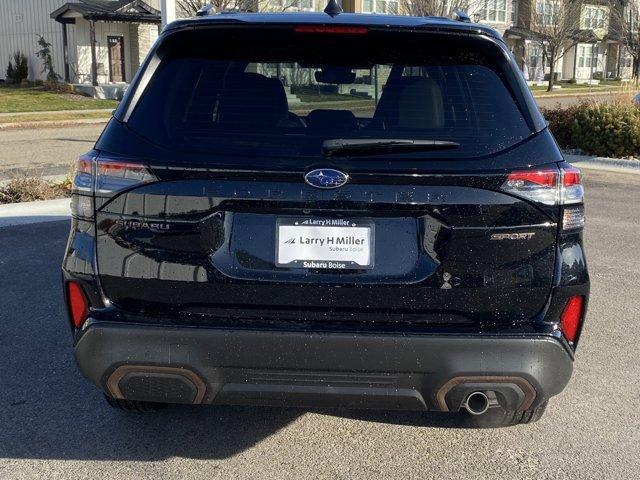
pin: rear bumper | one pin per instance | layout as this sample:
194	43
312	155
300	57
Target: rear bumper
389	371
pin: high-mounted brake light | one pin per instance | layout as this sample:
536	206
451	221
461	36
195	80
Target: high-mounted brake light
571	317
78	304
331	29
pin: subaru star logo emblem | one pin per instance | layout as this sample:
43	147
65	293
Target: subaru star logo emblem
326	178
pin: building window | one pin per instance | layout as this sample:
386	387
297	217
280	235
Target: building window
493	11
587	56
289	5
626	61
594	17
514	12
547	12
535	56
390	7
631	16
535	62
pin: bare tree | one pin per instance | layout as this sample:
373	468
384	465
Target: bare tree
625	22
555	25
188	8
439	8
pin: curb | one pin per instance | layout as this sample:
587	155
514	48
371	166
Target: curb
619	165
13	214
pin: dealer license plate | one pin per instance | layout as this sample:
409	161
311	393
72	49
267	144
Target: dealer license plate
322	243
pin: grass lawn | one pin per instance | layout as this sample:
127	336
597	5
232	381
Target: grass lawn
35	99
604	85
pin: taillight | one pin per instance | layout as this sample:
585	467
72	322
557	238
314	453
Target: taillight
572	317
551	186
571	189
572	198
78	304
538	185
82	187
103	177
115	175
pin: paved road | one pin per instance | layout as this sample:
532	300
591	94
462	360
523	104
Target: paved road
46	151
52	151
54	424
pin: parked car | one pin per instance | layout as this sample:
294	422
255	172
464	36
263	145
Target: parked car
247	231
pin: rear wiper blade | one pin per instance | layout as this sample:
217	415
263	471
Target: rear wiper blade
373	146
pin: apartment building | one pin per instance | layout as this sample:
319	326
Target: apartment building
598	53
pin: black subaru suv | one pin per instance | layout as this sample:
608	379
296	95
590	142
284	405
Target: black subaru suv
328	210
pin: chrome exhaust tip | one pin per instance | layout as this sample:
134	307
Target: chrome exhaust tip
476	403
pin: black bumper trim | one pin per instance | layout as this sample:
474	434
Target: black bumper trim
323	369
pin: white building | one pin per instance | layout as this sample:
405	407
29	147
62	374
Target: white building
122	32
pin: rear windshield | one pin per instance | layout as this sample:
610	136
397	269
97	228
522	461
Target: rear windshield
284	93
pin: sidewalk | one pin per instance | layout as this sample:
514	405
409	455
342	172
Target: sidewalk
620	165
56	112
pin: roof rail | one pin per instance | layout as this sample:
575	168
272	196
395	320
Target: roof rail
205	10
461	16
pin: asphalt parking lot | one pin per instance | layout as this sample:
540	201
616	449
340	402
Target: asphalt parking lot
54	424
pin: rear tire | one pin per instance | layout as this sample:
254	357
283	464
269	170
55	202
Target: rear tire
133	406
497	417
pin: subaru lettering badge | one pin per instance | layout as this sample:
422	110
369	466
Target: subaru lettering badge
326	178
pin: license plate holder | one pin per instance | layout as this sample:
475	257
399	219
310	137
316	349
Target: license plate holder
325	243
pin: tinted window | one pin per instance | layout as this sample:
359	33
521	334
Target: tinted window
284	98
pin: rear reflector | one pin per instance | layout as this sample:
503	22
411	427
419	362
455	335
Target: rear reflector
572	317
331	29
78	304
573	217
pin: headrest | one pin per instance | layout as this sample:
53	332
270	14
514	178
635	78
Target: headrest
252	100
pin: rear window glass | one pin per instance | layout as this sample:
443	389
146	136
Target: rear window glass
285	94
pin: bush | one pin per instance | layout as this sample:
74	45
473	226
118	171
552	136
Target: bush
572	80
607	130
18	69
29	189
10	73
57	87
561	123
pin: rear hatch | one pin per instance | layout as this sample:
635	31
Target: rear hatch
343	174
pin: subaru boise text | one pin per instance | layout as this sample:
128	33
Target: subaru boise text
328	210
